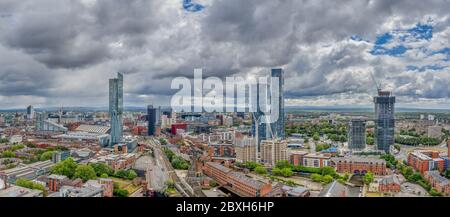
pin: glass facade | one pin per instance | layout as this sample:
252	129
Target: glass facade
116	108
384	120
357	134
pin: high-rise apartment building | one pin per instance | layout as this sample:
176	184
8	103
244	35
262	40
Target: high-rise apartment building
273	151
357	134
276	129
116	108
384	120
153	117
30	112
245	149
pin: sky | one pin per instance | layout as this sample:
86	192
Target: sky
62	52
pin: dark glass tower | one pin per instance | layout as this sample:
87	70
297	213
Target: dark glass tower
357	134
153	119
260	129
384	120
116	108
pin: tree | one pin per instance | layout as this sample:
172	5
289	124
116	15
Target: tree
104	175
29	184
316	137
121	193
370	140
283	164
328	171
276	171
447	173
261	170
368	178
286	172
327	179
316	177
85	172
101	168
132	174
66	168
46	156
8	154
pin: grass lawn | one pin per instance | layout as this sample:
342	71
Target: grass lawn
126	184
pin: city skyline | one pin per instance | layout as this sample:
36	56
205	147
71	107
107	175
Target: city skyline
62	55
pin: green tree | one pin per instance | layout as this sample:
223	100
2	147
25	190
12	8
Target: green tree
316	177
277	171
286	172
30	184
261	170
104	175
101	168
8	154
66	168
328	171
368	178
132	174
46	156
283	164
121	193
316	137
327	179
85	172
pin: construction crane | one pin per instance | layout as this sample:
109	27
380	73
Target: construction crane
376	83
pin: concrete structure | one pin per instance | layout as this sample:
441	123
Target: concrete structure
435	132
273	151
384	120
116	108
69	191
360	165
357	134
55	182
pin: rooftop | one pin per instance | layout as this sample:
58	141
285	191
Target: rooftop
17	191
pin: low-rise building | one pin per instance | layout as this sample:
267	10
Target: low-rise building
236	182
438	182
17	191
316	160
360	165
296	157
389	184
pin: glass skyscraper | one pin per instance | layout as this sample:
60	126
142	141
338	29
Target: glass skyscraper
153	115
260	129
357	134
116	108
384	120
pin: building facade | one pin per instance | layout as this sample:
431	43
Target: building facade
273	151
245	149
153	119
384	120
360	165
116	108
357	134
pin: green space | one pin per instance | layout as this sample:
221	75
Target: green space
177	162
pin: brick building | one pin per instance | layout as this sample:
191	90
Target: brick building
360	165
389	184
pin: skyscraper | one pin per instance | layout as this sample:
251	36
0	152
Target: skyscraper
357	134
116	108
276	129
384	120
153	115
30	112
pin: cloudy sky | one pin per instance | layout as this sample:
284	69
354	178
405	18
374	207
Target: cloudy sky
62	52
